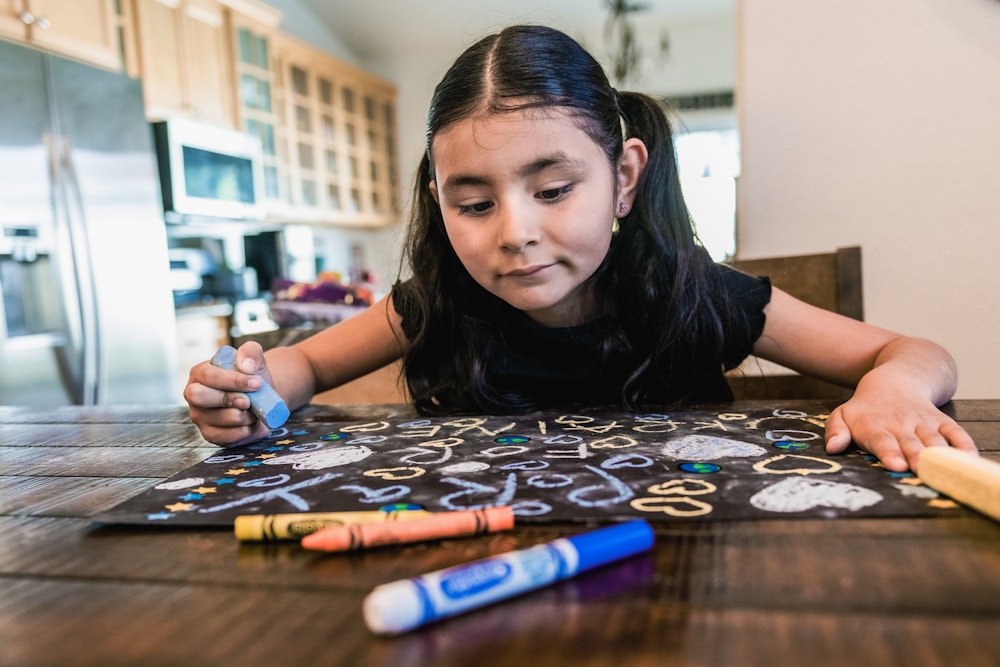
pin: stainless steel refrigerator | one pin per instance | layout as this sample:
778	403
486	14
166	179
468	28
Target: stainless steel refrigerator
87	310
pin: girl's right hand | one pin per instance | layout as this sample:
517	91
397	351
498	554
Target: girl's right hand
217	398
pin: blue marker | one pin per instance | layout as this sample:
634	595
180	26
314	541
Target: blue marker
407	604
265	402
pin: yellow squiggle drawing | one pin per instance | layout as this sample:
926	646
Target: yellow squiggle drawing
669	495
828	466
667	505
395	473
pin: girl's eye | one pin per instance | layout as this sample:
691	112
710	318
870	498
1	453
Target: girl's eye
555	194
475	209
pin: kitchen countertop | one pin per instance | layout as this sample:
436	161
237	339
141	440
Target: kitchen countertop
205	309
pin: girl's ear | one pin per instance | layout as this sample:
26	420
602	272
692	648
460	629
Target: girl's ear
630	168
433	186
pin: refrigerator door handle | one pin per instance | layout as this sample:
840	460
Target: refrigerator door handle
93	386
70	369
82	376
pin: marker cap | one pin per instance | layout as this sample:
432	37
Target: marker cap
393	608
605	545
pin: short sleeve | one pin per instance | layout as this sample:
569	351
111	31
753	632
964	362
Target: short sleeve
746	298
404	301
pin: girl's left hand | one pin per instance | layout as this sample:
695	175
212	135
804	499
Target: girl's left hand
894	429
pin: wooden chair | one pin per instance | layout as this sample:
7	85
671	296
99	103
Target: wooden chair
829	280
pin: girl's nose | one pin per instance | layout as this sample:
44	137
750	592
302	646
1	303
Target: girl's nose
518	228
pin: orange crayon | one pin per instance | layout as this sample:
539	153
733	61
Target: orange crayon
444	524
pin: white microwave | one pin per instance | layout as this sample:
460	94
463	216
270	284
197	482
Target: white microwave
209	171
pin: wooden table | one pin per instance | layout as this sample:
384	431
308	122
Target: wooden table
778	592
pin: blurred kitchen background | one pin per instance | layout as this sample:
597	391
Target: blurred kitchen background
180	174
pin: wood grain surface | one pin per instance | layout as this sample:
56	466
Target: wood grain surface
776	592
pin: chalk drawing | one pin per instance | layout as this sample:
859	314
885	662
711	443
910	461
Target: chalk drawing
464	466
177	484
549	467
917	491
799	494
322	458
807	465
709	447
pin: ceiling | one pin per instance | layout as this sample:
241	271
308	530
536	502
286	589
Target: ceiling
378	30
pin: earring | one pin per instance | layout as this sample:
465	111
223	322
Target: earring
622	210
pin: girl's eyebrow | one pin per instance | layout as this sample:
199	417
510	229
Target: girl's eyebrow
558	159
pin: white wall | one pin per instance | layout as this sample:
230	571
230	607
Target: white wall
878	124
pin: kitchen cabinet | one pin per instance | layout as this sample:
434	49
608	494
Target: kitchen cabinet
337	138
258	98
327	128
185	59
85	30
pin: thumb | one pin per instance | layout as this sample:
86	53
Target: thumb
250	358
838	435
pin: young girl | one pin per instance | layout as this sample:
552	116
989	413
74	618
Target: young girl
554	263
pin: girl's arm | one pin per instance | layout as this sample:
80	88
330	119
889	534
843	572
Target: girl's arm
217	399
898	381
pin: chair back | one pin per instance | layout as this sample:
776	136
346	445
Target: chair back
831	281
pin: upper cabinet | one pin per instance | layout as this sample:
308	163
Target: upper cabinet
258	95
336	138
86	30
185	59
327	128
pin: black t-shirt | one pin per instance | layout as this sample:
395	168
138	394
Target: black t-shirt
563	365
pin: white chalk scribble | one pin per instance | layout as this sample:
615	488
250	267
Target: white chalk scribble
710	448
800	494
321	459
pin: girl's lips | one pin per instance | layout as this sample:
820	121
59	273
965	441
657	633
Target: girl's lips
525	271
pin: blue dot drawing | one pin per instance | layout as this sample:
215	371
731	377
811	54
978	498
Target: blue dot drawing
788	444
700	468
512	439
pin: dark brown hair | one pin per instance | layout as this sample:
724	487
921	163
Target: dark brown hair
655	284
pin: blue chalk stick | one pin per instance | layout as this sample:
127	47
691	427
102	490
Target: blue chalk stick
265	402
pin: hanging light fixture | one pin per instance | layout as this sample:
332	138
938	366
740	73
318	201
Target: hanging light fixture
620	38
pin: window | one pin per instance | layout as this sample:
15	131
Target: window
709	162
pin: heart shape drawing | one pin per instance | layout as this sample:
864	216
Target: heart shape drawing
800	494
782	464
710	447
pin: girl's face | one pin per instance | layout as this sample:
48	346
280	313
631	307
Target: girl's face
528	201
